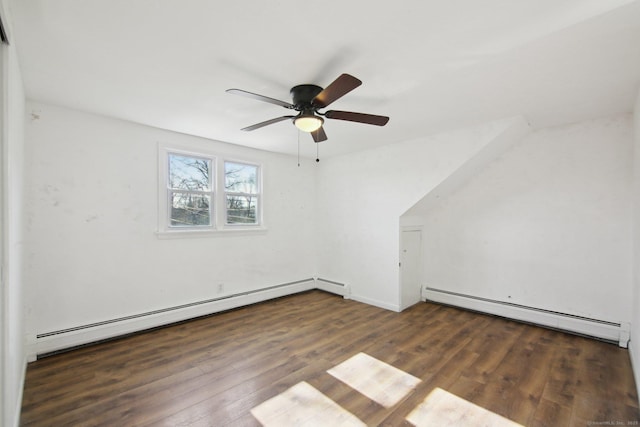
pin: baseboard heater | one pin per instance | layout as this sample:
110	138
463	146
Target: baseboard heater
55	341
616	332
333	287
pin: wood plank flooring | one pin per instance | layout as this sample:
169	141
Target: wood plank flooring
212	371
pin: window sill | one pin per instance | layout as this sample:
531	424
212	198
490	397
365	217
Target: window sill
227	231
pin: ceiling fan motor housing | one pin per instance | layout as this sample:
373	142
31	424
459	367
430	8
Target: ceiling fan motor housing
302	96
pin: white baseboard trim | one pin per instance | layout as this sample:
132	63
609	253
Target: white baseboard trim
376	303
607	330
51	342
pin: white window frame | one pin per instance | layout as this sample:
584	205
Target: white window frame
211	192
218	205
257	195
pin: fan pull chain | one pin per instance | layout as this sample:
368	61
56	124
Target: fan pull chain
298	148
317	152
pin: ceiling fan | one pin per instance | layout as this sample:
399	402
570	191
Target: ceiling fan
308	99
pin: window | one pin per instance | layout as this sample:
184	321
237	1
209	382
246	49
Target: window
241	193
201	193
190	191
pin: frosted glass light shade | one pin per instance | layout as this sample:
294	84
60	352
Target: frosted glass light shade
308	123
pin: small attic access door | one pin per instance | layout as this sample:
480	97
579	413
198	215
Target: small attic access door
410	267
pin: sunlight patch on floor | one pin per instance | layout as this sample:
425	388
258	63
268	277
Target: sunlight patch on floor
441	408
379	381
303	405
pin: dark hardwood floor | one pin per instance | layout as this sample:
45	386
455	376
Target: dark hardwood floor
214	370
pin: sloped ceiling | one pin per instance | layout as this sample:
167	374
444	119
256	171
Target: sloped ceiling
429	65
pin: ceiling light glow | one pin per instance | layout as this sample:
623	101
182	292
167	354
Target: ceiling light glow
308	123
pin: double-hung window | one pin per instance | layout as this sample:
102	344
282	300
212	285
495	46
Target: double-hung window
201	193
190	191
241	184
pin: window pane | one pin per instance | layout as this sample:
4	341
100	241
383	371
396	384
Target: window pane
240	178
188	210
189	173
241	209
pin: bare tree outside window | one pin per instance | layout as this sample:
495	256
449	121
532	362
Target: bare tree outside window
190	191
241	192
202	194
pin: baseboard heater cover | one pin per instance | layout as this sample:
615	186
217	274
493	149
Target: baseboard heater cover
54	341
333	287
617	332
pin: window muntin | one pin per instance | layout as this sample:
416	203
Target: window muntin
242	193
190	191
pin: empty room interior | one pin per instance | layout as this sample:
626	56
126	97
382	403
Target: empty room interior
332	213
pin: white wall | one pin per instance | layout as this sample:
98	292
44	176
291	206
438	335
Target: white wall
12	338
361	197
91	250
634	346
547	225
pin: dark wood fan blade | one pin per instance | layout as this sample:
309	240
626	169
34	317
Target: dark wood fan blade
350	116
267	123
260	97
340	87
319	135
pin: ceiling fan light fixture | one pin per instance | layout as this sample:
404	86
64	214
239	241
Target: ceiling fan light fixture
307	100
308	122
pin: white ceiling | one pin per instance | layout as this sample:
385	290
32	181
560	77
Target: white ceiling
429	65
